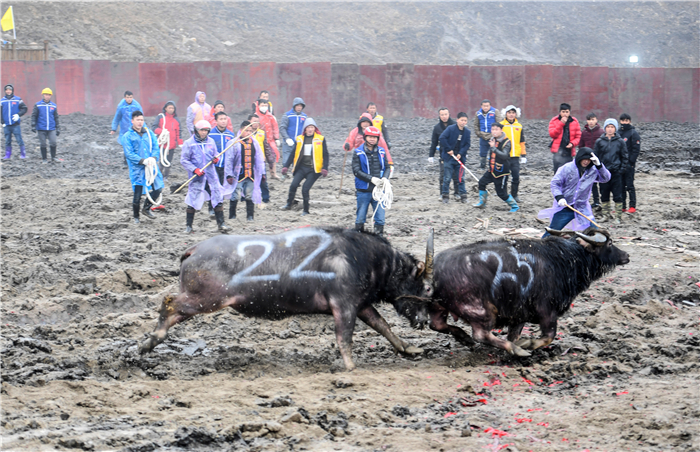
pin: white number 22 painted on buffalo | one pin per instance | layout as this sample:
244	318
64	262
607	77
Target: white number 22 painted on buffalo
268	245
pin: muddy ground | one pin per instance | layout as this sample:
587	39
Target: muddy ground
81	284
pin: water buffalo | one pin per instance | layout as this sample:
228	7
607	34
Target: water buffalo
510	282
331	271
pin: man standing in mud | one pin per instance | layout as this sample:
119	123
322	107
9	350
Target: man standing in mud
455	141
485	117
565	132
268	154
122	118
11	108
379	123
445	120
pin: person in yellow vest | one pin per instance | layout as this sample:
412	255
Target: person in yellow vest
379	123
268	155
515	133
310	160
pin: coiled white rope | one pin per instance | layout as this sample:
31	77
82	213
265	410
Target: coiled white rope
151	174
384	195
164	144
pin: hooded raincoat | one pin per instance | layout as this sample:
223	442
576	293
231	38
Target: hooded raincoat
234	163
122	118
195	154
197	110
576	189
139	147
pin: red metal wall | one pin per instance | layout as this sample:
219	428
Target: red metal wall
343	90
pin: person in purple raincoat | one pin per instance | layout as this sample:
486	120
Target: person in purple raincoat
197	151
572	186
244	171
198	110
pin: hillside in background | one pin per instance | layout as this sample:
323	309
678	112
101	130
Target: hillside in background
662	34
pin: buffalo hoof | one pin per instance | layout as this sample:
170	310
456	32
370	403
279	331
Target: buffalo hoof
517	351
524	343
412	350
146	346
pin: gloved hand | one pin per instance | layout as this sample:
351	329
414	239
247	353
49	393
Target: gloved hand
15	117
324	172
215	160
198	172
141	161
229	180
284	171
347	145
595	160
377	181
523	160
290	142
562	202
431	160
391	171
58	132
277	142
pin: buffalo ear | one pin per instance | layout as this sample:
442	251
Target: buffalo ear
418	271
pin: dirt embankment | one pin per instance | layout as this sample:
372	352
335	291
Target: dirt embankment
81	285
662	34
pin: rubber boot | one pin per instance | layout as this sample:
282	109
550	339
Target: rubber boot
483	195
232	210
463	199
220	221
22	152
306	208
147	209
250	210
190	220
8	153
604	212
211	211
482	163
136	213
379	230
512	203
53	153
445	199
617	217
43	155
360	227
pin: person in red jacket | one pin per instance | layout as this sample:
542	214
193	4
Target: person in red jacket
565	132
272	129
589	135
167	122
211	117
357	138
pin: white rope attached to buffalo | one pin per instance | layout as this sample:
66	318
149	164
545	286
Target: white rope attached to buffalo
384	195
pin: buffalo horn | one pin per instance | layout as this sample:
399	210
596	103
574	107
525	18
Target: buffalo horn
558	232
429	256
598	239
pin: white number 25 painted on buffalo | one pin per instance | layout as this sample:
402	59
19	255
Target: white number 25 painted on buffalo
268	245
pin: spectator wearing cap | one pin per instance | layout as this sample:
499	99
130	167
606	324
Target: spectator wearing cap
291	126
565	132
45	124
515	133
612	151
485	117
589	135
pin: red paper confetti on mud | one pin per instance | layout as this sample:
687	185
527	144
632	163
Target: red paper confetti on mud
527	381
493	383
451	413
522	419
495	432
534	409
621	393
484	401
555	383
543	424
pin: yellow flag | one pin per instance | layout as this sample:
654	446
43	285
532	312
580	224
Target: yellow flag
8	20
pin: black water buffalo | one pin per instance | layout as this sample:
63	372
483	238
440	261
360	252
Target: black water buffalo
332	271
511	282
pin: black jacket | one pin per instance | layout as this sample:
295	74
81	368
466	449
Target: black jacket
612	152
437	131
632	139
375	168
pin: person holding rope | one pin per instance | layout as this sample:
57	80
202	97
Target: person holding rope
370	167
498	168
141	152
245	168
455	142
310	160
167	129
197	151
571	188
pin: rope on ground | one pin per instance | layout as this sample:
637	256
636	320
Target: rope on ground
164	145
384	195
151	174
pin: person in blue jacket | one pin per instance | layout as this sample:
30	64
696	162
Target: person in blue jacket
122	118
11	108
45	123
454	144
140	145
291	126
222	137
